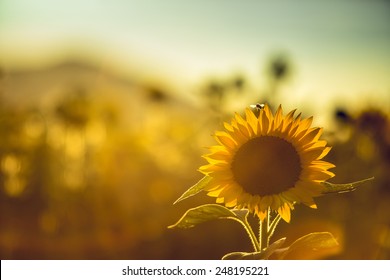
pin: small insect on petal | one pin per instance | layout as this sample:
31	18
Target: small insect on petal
257	106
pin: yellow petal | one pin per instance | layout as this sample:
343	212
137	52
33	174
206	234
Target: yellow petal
324	152
278	118
323	164
239	137
306	123
285	213
214	167
231	203
264	123
310	155
267	112
316	144
225	139
312	135
276	202
228	126
317	175
265	202
262	215
290	196
215	149
244	197
221	155
243	128
251	119
289	119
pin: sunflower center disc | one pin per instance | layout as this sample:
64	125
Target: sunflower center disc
266	165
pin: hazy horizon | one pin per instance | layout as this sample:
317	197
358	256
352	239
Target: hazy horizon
338	49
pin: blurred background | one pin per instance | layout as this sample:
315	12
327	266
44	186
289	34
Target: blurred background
106	107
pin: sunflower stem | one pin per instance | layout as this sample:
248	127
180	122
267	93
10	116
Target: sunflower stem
273	225
252	235
264	231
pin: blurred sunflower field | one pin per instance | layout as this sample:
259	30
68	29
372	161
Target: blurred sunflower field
93	155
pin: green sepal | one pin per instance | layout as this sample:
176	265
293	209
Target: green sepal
342	188
208	212
198	187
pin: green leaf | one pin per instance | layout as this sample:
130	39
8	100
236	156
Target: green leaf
204	213
242	256
195	188
241	213
209	212
342	188
312	246
263	255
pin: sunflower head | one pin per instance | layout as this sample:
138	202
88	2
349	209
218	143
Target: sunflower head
269	161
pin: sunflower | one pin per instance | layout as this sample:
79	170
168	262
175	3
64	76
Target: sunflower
269	161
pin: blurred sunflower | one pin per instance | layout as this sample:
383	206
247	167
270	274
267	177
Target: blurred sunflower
267	162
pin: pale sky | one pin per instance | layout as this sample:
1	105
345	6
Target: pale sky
337	47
